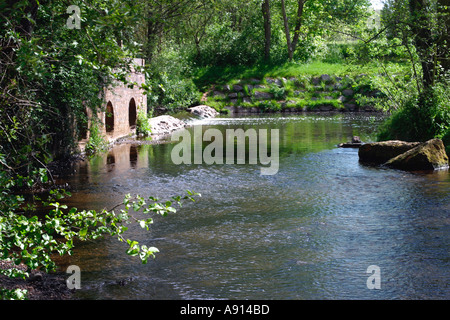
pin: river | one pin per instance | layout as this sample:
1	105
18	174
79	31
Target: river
310	231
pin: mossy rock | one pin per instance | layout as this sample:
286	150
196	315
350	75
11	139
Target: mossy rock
429	155
381	152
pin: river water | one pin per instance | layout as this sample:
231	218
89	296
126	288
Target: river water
310	231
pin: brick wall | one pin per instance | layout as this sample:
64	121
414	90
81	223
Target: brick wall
121	99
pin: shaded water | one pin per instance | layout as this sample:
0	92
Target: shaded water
308	232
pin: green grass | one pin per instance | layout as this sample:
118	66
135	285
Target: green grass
203	77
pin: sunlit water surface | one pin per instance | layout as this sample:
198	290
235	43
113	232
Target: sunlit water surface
308	232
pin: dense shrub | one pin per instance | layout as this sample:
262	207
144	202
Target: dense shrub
446	140
168	77
172	92
421	118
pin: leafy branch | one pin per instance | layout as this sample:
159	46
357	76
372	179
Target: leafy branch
32	241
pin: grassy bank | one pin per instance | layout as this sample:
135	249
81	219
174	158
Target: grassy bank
205	76
316	86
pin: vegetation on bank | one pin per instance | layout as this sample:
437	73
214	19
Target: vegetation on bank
292	89
51	71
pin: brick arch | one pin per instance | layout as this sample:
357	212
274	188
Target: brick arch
109	117
84	125
132	113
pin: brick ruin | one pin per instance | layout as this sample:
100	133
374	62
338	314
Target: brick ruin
121	107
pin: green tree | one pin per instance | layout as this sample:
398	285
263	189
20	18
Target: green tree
422	26
309	18
49	75
265	6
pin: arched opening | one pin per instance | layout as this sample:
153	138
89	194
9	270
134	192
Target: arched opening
132	113
109	117
83	125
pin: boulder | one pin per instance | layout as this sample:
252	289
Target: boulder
355	143
325	107
164	125
203	111
429	155
260	86
381	152
350	106
279	82
231	109
348	92
315	80
240	109
325	78
261	95
218	94
238	87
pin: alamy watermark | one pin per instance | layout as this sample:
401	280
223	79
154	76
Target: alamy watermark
229	148
74	281
74	20
374	280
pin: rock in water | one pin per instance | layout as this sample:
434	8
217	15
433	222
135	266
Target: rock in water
203	111
355	143
381	152
164	125
429	155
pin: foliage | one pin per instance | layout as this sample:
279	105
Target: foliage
279	93
420	118
422	28
96	142
51	74
172	92
268	106
33	239
142	124
446	141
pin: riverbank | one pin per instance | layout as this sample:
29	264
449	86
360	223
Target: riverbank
295	94
39	285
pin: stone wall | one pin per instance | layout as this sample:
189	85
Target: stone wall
125	102
121	106
295	94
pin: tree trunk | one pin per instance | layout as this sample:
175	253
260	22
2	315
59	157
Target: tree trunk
426	49
286	30
153	29
267	28
298	24
444	41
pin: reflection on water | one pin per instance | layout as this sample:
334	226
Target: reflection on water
308	232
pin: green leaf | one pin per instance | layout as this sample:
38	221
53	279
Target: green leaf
83	232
